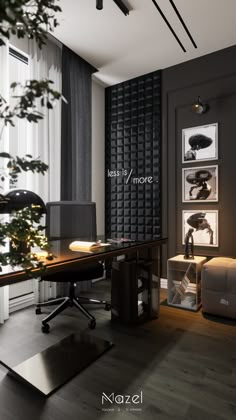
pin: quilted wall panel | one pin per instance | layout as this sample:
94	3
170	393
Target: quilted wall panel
133	158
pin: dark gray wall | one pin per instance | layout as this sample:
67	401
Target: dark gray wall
213	77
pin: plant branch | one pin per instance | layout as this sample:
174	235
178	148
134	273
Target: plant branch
26	106
16	165
23	228
28	18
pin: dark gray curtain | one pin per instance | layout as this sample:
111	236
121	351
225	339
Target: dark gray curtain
76	127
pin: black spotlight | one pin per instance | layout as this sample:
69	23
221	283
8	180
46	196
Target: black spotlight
99	4
199	107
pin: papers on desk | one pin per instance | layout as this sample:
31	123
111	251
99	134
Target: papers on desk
84	246
120	240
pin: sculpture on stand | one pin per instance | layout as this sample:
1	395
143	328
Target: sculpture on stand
189	245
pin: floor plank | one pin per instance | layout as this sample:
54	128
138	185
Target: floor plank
184	364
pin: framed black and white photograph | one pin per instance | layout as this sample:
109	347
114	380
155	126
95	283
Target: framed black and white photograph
204	224
200	143
200	184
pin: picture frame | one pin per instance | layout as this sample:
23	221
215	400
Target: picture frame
200	184
205	227
200	143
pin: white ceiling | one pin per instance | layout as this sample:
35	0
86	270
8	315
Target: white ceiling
122	47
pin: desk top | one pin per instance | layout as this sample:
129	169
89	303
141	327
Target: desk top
65	258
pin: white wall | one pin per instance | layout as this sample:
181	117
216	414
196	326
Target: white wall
98	153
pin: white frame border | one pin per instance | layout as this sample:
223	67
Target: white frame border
202	211
197	168
216	143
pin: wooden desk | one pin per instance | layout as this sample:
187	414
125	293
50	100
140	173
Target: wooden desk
51	368
66	259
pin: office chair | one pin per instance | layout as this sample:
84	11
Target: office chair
72	220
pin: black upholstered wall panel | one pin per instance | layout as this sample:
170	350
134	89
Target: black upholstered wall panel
133	158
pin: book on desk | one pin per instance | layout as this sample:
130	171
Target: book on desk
84	246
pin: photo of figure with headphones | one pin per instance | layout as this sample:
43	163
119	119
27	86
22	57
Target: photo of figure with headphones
200	184
204	224
200	143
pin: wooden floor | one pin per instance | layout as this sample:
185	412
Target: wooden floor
184	364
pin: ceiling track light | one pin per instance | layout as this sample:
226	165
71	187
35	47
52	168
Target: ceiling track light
122	7
99	4
168	24
183	23
119	3
199	107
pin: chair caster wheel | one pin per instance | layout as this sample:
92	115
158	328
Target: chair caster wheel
45	328
107	307
38	311
92	324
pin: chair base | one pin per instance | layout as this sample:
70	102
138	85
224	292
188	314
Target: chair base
67	301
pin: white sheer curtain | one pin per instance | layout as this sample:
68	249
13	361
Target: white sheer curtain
4	91
45	139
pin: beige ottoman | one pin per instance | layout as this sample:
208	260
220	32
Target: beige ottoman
219	287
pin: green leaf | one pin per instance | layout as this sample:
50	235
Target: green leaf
5	155
49	105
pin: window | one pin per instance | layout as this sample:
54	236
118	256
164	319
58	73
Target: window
18	135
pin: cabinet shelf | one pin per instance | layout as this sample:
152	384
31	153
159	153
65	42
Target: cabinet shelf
179	305
179	270
141	289
134	294
144	264
184	282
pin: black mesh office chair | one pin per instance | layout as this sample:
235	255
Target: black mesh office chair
72	220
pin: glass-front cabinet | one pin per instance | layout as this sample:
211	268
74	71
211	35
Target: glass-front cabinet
184	282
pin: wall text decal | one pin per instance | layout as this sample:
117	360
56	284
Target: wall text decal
133	179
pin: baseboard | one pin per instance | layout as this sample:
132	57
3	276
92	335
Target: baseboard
163	283
21	302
